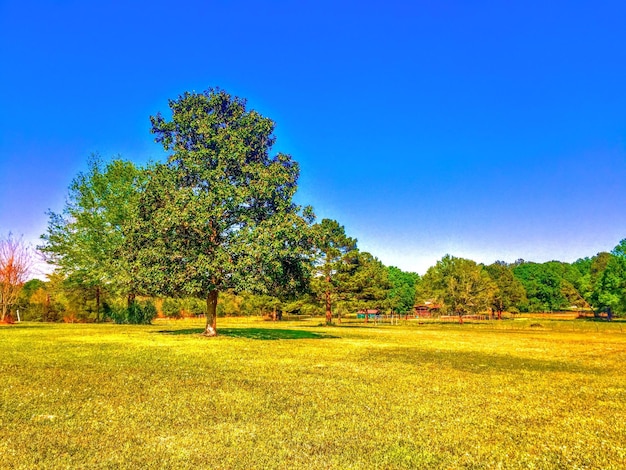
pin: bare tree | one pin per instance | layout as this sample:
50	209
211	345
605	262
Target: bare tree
15	265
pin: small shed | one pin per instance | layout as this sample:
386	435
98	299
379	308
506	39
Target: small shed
426	309
369	313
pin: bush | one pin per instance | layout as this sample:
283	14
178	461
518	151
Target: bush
138	313
180	308
195	306
141	313
172	308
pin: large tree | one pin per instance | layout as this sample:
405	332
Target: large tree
219	213
459	285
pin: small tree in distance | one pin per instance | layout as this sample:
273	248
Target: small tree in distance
335	254
509	291
461	286
15	265
401	296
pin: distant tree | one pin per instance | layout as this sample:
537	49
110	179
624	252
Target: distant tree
55	300
27	301
37	303
401	296
509	291
459	285
599	263
336	255
565	271
610	289
305	304
553	285
15	265
583	266
219	214
592	270
571	282
543	286
366	284
263	305
86	241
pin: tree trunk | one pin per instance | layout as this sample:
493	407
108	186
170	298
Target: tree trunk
329	313
130	300
47	308
211	314
3	303
97	304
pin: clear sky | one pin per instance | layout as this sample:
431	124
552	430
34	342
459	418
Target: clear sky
489	129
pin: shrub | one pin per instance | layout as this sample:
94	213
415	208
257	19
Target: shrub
196	306
138	313
141	313
172	308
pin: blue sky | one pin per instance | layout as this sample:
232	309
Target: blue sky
494	130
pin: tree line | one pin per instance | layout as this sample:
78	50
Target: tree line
462	287
214	229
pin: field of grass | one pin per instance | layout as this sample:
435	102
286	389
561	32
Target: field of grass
522	393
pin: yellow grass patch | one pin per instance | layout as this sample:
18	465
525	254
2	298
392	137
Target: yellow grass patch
297	395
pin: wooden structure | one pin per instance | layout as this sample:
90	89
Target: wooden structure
368	314
426	310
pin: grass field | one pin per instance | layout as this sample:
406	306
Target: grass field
298	395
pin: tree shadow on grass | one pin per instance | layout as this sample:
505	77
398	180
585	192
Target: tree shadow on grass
602	320
255	333
20	325
481	363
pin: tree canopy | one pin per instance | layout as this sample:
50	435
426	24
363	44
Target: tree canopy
86	242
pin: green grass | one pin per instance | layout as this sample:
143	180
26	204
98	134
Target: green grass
298	395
